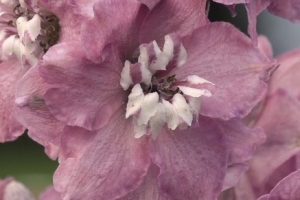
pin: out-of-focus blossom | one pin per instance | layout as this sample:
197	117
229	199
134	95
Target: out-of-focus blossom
271	168
28	30
288	9
26	33
143	71
13	190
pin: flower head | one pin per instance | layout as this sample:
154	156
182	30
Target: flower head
140	71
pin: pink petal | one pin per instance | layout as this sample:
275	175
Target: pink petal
192	162
103	164
224	56
148	189
114	21
287	189
32	112
288	73
254	7
282	129
288	9
242	141
50	194
87	94
172	16
10	73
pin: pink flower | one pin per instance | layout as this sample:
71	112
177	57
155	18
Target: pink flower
13	190
126	99
28	30
272	168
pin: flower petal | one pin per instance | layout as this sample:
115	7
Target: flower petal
32	112
287	189
242	141
103	164
282	129
10	73
224	56
87	94
114	21
287	74
192	162
172	16
148	190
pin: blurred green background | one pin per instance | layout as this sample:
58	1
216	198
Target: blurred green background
26	161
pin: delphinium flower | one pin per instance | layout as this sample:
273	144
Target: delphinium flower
150	101
275	166
26	33
27	30
13	190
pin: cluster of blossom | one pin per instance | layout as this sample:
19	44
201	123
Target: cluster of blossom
149	100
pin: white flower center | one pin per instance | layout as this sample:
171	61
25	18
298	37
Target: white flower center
26	32
157	98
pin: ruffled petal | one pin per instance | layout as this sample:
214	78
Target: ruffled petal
242	141
286	189
32	112
114	21
192	162
87	94
254	7
10	73
104	164
224	56
282	129
170	16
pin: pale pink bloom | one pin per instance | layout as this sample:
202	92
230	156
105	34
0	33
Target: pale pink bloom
272	168
28	29
128	98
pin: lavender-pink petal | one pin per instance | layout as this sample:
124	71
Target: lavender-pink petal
84	94
170	16
32	112
104	164
224	56
192	162
10	73
286	189
114	21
